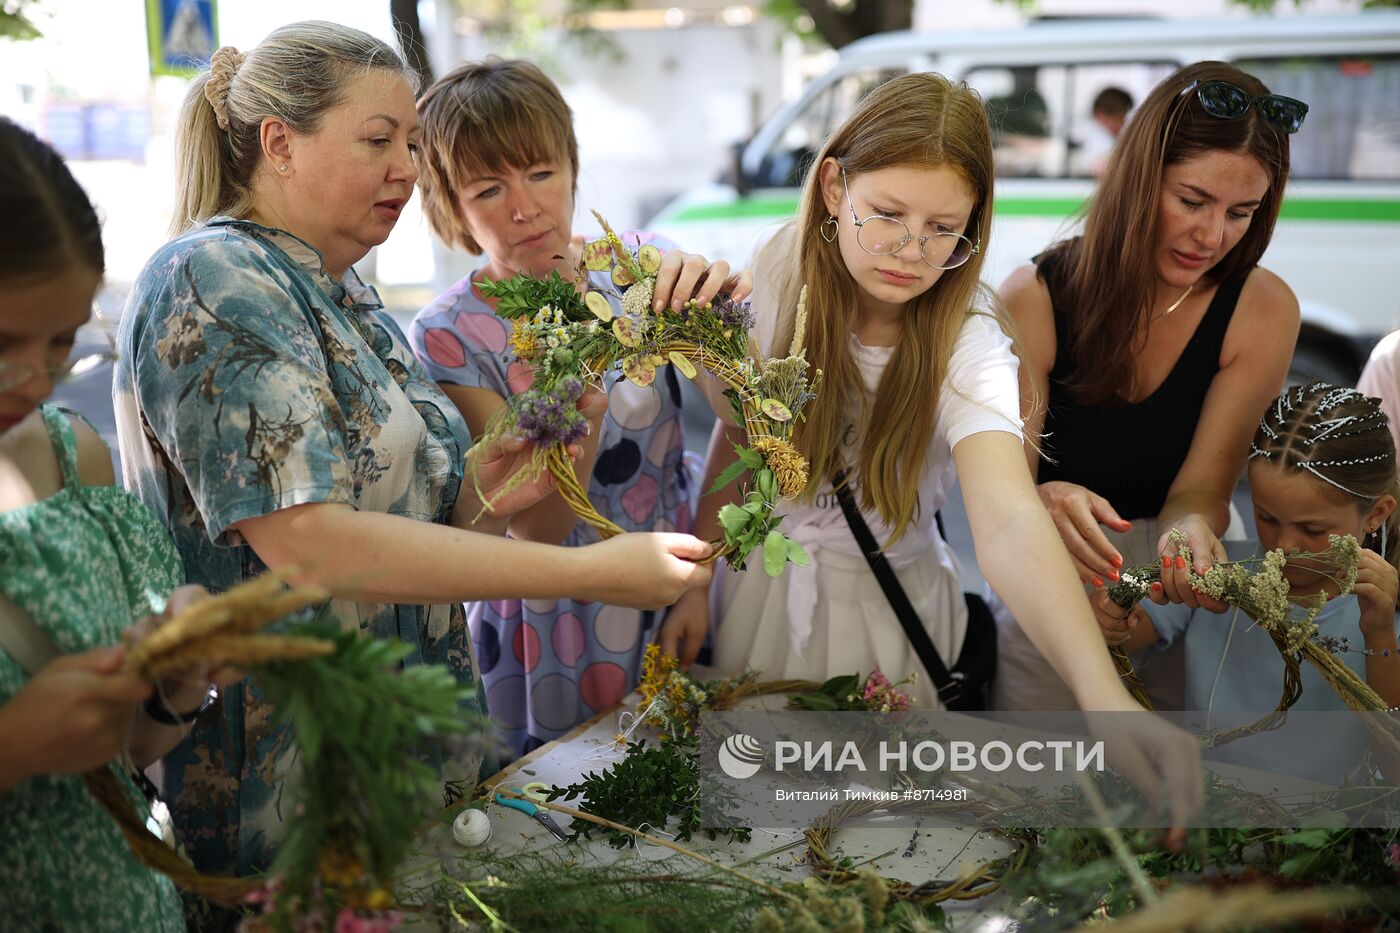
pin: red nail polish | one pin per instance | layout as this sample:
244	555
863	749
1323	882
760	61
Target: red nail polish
1097	581
1166	562
1180	562
1116	561
1114	575
1157	587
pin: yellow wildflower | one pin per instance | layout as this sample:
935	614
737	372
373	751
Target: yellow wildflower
523	343
789	467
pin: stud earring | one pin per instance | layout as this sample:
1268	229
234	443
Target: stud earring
830	228
282	167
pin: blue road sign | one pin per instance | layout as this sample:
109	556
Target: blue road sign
182	35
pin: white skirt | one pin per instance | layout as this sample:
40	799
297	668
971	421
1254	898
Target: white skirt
1026	681
853	628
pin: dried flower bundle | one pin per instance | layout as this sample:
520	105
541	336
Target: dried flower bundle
359	720
569	335
672	700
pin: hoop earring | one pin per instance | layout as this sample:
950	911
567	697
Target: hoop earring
834	226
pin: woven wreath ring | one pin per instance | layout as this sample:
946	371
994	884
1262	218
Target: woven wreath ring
570	335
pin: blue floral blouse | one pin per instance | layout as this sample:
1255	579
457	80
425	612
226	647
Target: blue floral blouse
251	381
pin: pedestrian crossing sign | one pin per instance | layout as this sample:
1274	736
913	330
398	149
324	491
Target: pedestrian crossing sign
182	35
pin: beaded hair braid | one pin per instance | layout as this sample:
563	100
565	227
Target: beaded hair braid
1337	434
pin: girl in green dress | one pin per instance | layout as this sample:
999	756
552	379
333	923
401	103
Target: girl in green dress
81	561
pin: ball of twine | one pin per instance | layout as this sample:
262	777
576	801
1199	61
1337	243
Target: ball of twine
223	65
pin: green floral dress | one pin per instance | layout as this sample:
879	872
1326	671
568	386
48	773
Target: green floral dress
85	564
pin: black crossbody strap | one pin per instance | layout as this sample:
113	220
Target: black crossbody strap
948	684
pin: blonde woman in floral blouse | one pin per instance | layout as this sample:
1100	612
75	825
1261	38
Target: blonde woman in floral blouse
273	415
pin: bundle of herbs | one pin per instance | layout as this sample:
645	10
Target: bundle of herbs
652	786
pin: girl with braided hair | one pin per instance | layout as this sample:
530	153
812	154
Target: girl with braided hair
1322	463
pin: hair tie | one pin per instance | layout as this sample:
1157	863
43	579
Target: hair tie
223	65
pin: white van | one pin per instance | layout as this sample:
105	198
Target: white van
1337	242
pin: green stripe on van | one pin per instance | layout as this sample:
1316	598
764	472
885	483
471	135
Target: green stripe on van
1337	209
1327	209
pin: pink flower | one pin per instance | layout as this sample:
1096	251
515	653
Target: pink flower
875	685
347	921
881	695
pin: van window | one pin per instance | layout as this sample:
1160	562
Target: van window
1041	115
785	165
1353	124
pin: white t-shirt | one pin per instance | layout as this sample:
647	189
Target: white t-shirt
980	392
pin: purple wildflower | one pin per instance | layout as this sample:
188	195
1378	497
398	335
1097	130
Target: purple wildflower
733	313
547	419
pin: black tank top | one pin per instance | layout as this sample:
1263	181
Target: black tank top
1130	453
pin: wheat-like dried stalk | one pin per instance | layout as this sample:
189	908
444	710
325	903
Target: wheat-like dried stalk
219	630
239	651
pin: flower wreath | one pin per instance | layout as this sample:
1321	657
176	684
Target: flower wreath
567	332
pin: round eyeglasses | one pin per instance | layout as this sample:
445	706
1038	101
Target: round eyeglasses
14	375
880	235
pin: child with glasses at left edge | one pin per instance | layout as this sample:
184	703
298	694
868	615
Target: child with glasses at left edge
83	561
1154	339
919	383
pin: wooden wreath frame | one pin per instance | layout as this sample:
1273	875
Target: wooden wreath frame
757	425
552	315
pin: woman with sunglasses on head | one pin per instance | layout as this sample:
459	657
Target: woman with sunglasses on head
1151	342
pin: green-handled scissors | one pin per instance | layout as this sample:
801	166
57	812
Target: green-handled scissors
538	814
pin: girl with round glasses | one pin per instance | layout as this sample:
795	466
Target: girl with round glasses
1156	339
919	383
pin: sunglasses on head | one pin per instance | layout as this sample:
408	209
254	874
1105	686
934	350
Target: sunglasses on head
1227	102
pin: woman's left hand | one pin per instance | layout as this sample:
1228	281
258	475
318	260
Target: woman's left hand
1376	586
1206	550
684	276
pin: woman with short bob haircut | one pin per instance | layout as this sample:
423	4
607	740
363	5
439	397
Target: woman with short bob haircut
500	179
1156	339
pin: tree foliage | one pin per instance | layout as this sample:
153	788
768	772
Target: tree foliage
841	22
16	20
